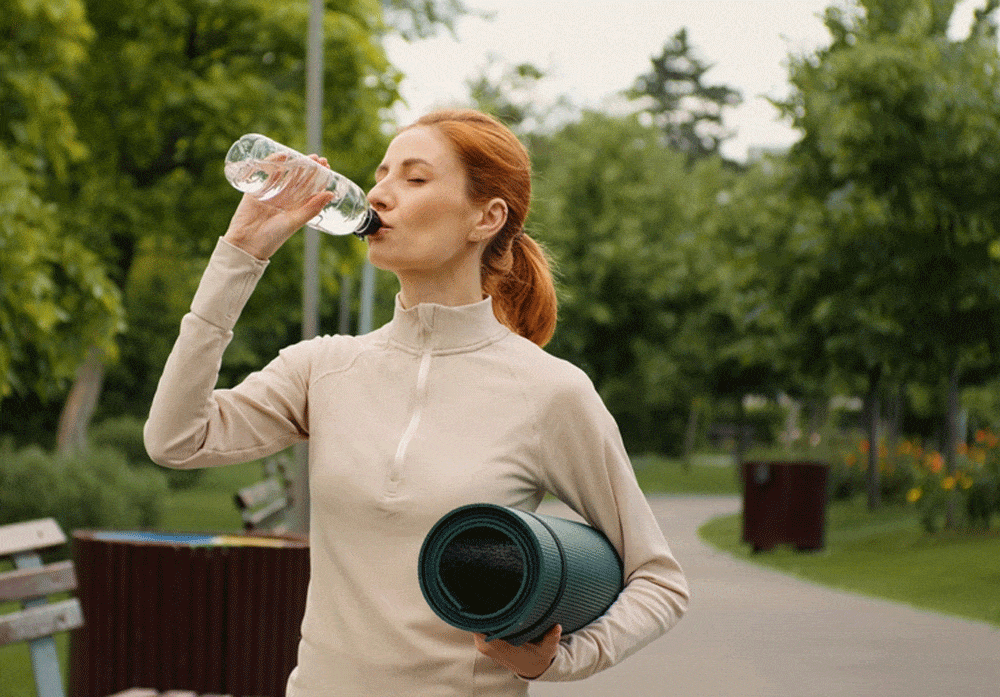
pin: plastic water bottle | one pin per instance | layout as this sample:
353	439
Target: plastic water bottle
263	168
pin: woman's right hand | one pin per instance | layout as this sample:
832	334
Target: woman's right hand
261	227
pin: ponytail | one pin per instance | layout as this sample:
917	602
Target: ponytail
520	282
515	269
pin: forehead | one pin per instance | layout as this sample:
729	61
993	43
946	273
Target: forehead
421	143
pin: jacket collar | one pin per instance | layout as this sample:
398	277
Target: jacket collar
442	328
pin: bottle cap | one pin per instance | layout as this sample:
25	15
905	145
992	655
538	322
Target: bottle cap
369	225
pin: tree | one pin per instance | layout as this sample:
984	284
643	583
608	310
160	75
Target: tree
620	213
420	19
899	147
689	111
55	300
159	92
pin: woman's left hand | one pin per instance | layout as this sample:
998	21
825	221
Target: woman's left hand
527	660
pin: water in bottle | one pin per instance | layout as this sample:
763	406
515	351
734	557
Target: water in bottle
263	168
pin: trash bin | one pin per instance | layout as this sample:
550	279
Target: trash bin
202	612
784	503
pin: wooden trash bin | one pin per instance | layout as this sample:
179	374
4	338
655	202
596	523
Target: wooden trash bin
208	613
784	503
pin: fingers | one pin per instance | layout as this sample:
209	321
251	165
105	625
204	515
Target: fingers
528	660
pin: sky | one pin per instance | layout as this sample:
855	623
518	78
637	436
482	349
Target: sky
593	49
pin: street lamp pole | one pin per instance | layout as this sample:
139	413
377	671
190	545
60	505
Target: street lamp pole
310	271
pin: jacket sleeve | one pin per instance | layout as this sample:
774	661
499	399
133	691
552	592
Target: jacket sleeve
588	469
191	424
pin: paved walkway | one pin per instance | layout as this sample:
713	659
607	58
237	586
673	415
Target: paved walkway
750	632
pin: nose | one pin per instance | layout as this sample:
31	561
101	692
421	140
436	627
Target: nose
378	197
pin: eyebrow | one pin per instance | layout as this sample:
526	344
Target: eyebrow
409	162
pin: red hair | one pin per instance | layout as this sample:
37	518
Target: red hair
515	269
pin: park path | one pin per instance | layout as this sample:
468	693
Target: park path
751	632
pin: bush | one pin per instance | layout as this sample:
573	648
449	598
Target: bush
972	490
124	433
96	488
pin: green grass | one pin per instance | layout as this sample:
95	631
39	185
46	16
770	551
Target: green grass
208	506
887	554
707	474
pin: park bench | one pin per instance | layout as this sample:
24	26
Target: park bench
29	585
38	620
265	505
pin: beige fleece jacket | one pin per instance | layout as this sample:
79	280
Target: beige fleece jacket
441	407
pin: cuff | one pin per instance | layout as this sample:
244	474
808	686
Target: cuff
226	285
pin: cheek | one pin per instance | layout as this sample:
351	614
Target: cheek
435	211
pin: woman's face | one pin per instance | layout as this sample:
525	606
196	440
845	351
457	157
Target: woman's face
421	196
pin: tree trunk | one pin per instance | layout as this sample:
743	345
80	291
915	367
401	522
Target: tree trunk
952	439
894	422
874	487
81	403
692	432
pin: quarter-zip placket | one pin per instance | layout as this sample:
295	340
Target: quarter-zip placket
419	401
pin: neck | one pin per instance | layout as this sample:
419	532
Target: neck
415	289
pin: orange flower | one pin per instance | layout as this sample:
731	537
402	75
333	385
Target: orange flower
914	494
948	483
863	446
851	460
934	462
981	435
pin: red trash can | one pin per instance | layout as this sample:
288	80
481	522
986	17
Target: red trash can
785	503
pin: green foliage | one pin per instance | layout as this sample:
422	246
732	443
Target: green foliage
55	299
116	119
622	216
688	110
96	488
44	45
51	287
124	434
899	160
419	19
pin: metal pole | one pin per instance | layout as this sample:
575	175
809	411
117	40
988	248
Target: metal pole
310	273
367	298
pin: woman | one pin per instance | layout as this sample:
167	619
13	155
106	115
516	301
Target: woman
452	402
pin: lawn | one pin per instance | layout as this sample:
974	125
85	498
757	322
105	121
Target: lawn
707	474
887	554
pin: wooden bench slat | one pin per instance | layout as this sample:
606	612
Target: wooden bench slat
36	534
42	621
258	517
261	492
36	583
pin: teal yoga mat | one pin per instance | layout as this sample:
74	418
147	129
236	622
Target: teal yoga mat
512	575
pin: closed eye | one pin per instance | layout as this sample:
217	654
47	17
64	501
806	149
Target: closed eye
416	180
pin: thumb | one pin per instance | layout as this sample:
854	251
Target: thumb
551	638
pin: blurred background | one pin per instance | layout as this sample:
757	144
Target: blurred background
775	226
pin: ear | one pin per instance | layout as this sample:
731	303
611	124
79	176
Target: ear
492	219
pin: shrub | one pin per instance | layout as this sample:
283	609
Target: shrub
124	433
973	489
95	488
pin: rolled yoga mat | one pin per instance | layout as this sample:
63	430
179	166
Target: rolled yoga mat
513	575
